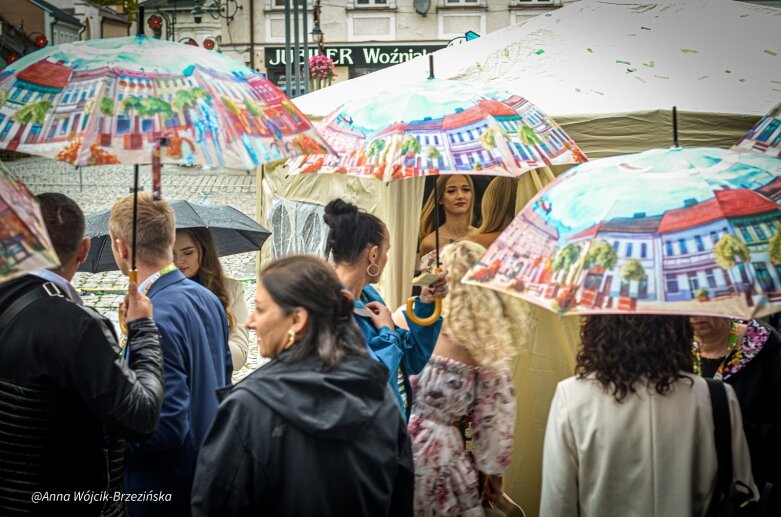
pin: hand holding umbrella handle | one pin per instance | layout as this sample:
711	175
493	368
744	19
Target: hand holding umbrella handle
425	322
132	276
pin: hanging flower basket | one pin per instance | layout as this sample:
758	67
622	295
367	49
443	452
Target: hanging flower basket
321	72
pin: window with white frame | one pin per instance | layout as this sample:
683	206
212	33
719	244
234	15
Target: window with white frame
363	26
522	3
461	3
453	24
371	4
280	4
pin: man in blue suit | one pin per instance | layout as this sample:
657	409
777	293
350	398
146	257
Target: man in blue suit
196	359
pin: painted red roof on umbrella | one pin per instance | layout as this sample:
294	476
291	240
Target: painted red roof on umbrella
588	233
47	73
728	203
463	118
394	128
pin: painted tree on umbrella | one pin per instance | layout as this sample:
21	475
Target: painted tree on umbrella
107	101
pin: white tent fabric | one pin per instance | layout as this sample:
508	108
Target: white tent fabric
609	73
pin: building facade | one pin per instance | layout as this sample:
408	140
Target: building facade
362	36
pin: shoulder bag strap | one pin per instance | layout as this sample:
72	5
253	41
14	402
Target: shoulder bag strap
20	304
722	433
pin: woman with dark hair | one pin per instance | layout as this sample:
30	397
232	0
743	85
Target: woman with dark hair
315	431
359	242
632	433
195	254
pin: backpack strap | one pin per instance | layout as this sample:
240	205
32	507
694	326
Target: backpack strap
21	303
722	434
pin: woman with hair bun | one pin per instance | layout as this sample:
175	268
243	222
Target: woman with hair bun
467	382
315	431
632	433
359	242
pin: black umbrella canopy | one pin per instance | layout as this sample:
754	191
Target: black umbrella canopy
233	232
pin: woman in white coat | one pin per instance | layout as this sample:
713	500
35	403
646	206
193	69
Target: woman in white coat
195	254
631	435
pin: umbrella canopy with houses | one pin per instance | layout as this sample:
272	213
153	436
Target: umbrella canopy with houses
24	242
437	126
765	136
108	100
678	231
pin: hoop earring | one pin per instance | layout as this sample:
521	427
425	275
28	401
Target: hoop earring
291	338
376	270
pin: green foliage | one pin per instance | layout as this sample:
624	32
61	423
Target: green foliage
3	96
432	153
132	104
601	254
633	270
231	106
252	108
566	257
729	251
107	106
774	248
375	147
153	105
528	136
35	112
488	139
410	144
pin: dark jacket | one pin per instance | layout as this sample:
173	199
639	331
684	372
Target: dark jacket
757	383
292	439
65	395
194	337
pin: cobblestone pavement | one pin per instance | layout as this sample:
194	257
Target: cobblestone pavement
96	188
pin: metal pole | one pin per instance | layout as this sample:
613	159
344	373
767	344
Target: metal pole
287	48
140	21
296	50
173	23
135	218
306	49
675	126
251	34
436	218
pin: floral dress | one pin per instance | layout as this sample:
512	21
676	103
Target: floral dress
445	475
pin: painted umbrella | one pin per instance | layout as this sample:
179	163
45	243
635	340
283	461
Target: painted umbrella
765	136
24	242
437	127
666	231
107	101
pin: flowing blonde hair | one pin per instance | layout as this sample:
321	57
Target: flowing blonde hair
427	214
210	273
488	324
498	206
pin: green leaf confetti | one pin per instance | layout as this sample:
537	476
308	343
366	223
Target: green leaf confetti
770	52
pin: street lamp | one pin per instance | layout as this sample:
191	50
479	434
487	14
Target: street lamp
317	34
217	9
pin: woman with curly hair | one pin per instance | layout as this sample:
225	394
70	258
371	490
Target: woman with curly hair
632	433
467	376
195	254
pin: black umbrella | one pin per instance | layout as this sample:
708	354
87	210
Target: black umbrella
233	232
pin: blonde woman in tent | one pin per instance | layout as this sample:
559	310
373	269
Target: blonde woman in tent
497	208
466	382
455	205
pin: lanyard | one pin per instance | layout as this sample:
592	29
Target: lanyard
146	285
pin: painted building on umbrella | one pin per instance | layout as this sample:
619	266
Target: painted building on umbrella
765	136
688	236
30	96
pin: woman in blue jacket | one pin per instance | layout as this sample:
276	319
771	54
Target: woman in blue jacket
359	242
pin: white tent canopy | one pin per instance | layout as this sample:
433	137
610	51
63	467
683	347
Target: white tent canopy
592	63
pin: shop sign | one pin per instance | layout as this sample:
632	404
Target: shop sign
375	56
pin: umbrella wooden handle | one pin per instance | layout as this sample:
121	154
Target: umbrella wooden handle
424	322
132	275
